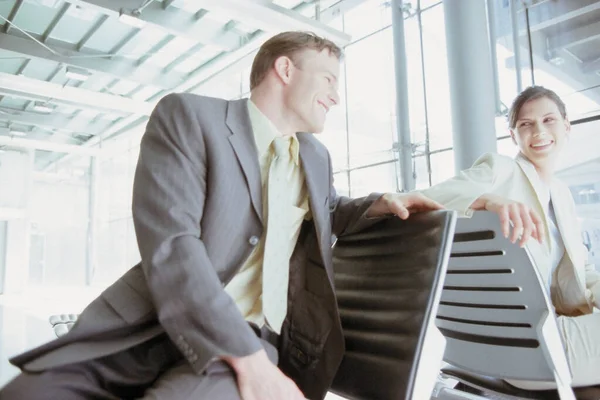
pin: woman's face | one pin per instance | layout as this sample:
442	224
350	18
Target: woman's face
541	131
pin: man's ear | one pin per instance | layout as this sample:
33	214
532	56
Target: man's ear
283	68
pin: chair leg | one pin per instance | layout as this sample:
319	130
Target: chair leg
565	391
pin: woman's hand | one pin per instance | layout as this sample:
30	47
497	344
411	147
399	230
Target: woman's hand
525	221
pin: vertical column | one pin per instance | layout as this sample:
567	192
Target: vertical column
92	221
402	112
470	72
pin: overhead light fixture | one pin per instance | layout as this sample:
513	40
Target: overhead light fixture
131	18
78	74
43	107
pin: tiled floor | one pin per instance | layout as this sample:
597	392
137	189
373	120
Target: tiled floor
24	321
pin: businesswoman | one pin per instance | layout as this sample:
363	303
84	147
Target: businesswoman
525	191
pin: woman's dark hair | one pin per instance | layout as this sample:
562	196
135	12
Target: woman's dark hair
533	93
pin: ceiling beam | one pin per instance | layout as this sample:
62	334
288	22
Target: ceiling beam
33	89
116	66
272	18
227	64
172	20
591	66
542	15
575	37
22	143
569	71
61	13
12	15
54	121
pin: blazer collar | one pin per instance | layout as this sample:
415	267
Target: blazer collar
540	193
556	193
316	173
313	160
244	146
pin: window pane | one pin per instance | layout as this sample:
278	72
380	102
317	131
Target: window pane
378	178
507	147
367	18
436	76
371	99
442	166
116	246
59	220
334	136
563	53
341	182
421	172
416	92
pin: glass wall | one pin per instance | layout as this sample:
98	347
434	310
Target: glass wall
59	218
361	132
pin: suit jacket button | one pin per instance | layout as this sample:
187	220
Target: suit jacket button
253	240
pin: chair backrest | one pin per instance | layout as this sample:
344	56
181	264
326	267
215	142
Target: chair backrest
495	313
388	282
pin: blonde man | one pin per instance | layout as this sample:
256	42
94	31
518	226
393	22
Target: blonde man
234	212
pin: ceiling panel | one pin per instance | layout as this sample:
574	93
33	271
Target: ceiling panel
169	53
146	93
70	29
142	43
10	62
588	51
5	9
13	102
195	60
34	18
40	69
109	35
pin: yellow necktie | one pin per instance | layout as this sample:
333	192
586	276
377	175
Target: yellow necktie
275	265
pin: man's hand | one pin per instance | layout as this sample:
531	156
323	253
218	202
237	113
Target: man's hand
402	205
525	221
259	379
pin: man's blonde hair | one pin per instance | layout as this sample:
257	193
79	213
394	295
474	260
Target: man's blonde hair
287	44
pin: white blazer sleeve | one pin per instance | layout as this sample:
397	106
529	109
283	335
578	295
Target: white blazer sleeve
460	192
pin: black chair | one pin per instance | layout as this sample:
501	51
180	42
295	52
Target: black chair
388	284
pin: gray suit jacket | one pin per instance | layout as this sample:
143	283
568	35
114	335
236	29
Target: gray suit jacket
197	214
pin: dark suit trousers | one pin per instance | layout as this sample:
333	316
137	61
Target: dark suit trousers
152	370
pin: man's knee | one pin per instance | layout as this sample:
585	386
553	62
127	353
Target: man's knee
24	386
35	387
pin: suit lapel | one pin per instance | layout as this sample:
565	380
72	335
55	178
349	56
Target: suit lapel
316	173
537	188
560	208
242	141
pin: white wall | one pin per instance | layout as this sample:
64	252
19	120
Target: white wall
14	177
16	169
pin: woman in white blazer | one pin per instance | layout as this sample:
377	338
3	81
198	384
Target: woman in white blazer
525	191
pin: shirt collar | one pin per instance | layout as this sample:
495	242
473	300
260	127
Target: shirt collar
265	131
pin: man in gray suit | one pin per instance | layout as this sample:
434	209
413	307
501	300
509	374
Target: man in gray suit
225	193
